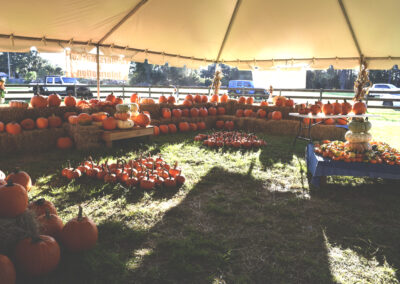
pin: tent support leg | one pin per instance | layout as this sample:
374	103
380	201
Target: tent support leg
98	70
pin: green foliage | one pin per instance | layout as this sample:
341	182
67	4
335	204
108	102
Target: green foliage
23	64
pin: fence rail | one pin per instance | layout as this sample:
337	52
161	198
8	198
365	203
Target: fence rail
25	92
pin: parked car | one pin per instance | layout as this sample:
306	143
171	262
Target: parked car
239	87
386	87
63	86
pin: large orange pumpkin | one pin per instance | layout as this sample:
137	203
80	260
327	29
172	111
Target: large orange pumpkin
40	206
194	112
38	255
54	121
135	98
242	100
111	98
73	119
162	100
64	143
13	200
70	101
164	129
346	107
50	224
276	115
109	123
184	126
172	128
84	119
80	233
38	101
359	107
13	128
171	99
142	120
214	98
224	98
249	100
176	112
212	111
28	124
7	270
20	177
197	99
187	103
204	99
156	131
1	126
54	100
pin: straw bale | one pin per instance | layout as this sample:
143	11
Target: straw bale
84	136
8	114
37	140
153	109
12	230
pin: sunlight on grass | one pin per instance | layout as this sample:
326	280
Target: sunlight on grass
138	257
348	266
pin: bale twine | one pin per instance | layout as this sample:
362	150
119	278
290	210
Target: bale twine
84	136
12	230
37	140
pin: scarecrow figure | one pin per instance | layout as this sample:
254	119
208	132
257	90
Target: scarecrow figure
2	90
216	84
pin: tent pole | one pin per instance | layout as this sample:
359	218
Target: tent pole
98	70
346	16
228	30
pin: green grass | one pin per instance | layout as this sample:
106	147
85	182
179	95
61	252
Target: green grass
242	217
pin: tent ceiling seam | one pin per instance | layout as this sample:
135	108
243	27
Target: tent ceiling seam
353	35
228	30
123	20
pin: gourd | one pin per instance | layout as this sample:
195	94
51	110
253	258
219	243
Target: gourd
358	147
122	108
358	127
357	137
125	124
122	115
134	108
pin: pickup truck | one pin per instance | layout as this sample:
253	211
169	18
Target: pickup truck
386	87
63	86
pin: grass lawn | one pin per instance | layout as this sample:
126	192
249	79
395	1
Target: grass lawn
241	217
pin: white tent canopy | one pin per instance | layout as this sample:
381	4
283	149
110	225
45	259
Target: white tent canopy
242	33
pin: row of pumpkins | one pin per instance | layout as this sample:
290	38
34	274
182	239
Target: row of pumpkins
15	128
144	172
39	254
335	108
235	139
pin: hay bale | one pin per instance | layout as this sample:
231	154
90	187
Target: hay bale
37	140
153	109
12	230
8	114
84	136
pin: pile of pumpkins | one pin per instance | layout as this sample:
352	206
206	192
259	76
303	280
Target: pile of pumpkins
15	128
39	253
145	173
261	113
235	139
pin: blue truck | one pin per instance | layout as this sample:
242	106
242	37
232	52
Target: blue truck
244	87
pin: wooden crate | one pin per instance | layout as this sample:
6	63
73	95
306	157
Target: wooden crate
109	136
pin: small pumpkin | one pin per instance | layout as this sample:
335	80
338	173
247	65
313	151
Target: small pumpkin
239	113
142	120
109	123
171	100
164	129
38	255
327	108
212	111
214	98
13	200
7	270
18	104
64	143
54	121
42	123
147	101
80	233
276	115
204	99
187	103
54	100
194	112
346	107
249	100
20	177
359	108
84	119
42	205
162	100
184	126
122	115
172	128
2	126
203	112
156	131
28	124
220	110
337	107
70	101
261	113
201	125
279	100
176	112
111	98
197	99
13	128
99	116
135	98
224	98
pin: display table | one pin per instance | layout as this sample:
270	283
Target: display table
310	124
320	167
109	136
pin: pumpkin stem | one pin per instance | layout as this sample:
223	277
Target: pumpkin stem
40	201
10	182
80	213
36	239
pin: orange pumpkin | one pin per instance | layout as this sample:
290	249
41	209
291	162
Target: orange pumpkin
248	112
38	101
189	97
220	110
214	98
99	116
276	115
166	113
193	126
279	100
171	99
42	123
249	100
224	98
7	270
289	103
1	126
122	115
239	113
212	111
70	101
201	125
187	103
329	121
73	119
261	113
204	99
118	101
359	107
156	131
172	128
13	199
184	126
18	104
264	103
327	108
142	120
176	112
135	98
341	121
54	121
13	128
197	99
54	100
64	143
111	98
194	112
242	100
337	107
27	124
148	101
68	114
84	119
164	129
109	123
162	100
346	107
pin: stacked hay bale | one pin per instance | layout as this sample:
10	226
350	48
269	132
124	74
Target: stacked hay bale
84	136
37	140
8	114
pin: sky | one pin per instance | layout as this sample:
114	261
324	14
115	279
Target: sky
55	58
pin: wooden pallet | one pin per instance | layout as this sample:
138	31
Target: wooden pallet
109	136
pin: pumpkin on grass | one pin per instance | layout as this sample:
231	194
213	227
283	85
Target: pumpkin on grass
7	270
28	124
38	255
13	200
50	224
64	142
40	206
13	128
80	233
20	177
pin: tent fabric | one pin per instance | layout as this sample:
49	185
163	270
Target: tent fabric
266	34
